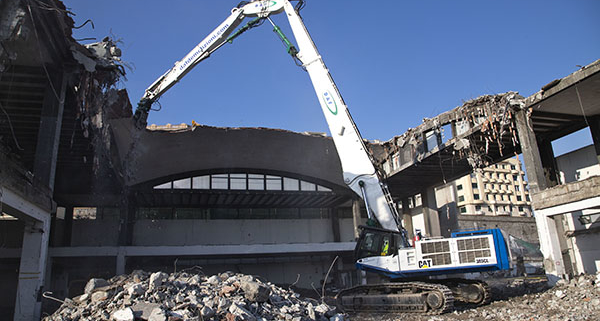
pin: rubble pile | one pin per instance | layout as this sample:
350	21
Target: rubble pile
578	299
189	296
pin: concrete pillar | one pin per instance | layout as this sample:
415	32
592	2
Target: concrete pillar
549	163
34	251
430	213
407	218
549	243
46	151
356	216
32	270
595	131
121	260
68	232
531	154
335	224
550	247
127	214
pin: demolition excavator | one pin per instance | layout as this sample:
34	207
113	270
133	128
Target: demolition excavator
418	272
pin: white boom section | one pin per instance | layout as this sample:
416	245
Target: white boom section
208	45
354	157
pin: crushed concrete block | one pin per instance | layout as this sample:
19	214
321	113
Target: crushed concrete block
255	292
94	284
99	296
322	308
240	311
144	309
157	314
157	279
311	312
195	280
214	280
82	298
227	290
223	304
136	289
123	315
207	312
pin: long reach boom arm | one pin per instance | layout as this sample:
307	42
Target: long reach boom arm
359	173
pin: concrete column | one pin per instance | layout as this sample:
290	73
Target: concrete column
595	131
68	232
531	154
121	259
32	270
548	163
550	247
34	252
430	214
46	151
549	243
356	216
335	225
127	214
407	218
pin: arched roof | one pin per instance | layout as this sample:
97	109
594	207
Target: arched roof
155	155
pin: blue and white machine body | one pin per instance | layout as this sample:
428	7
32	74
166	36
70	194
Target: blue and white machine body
463	252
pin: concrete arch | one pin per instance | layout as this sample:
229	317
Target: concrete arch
156	155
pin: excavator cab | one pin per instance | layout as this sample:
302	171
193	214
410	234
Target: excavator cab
374	241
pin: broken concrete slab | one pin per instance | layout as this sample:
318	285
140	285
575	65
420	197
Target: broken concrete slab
255	292
94	284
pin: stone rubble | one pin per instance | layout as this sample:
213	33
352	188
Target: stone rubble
233	297
187	296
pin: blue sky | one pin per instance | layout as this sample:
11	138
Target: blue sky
395	62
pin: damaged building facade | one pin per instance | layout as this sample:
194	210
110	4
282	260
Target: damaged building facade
250	200
51	92
492	128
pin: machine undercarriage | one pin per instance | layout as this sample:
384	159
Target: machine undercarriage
425	297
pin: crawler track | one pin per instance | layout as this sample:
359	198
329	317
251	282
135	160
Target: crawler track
403	297
468	291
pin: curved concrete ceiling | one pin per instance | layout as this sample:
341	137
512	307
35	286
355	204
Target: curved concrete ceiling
153	155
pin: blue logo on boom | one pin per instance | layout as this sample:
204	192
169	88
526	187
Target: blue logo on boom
330	102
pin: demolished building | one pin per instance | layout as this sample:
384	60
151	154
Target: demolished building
492	128
54	94
269	208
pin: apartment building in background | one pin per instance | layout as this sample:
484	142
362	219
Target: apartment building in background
499	190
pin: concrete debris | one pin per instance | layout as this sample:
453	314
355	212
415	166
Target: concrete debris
480	124
186	296
94	284
525	299
99	55
123	315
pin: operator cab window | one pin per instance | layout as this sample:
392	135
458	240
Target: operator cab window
376	244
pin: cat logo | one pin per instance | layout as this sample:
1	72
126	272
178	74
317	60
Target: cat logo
426	263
